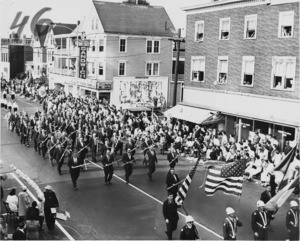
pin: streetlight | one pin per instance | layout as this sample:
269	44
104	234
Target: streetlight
77	59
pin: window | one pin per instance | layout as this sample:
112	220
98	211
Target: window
248	70
122	68
286	24
152	46
93	44
224	28
250	27
101	45
101	68
123	45
198	68
96	25
152	69
93	24
283	73
91	68
199	31
222	70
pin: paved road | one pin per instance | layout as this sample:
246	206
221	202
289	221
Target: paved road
122	211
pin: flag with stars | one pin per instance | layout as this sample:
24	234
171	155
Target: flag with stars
227	178
181	194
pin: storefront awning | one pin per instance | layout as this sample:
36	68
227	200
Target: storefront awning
188	113
217	118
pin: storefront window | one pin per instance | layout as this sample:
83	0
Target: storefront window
263	127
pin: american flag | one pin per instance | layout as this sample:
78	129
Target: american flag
227	178
181	194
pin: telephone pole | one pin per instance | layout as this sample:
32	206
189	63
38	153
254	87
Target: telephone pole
177	42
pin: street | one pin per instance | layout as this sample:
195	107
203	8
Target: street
134	211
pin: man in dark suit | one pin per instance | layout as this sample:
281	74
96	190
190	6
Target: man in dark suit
172	158
58	156
107	162
20	234
128	159
170	215
82	150
74	167
172	182
51	201
266	195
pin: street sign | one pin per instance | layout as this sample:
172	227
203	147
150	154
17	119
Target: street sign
84	43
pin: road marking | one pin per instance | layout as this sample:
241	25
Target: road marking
35	199
147	194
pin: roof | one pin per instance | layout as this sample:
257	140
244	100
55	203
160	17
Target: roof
134	19
42	31
63	28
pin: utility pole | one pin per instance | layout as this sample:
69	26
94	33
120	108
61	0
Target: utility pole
177	42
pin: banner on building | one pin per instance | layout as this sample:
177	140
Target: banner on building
82	62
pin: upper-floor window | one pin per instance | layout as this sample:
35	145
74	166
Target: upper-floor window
122	68
286	24
250	28
101	45
198	68
199	31
93	20
152	46
101	68
283	73
93	45
224	28
248	71
222	70
122	47
91	68
97	23
152	69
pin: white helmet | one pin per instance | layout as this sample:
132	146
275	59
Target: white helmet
229	211
294	204
260	203
189	218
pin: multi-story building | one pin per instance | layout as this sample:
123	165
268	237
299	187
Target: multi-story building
15	51
242	60
129	59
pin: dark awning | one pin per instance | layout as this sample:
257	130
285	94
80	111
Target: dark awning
217	118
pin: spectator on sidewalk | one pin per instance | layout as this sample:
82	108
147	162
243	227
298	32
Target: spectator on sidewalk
24	202
13	200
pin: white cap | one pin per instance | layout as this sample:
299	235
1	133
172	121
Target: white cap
294	204
189	218
260	203
229	210
48	187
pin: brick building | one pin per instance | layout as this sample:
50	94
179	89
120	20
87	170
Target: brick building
242	61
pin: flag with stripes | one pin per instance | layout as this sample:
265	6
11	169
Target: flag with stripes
181	194
227	178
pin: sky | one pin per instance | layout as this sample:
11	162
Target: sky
69	11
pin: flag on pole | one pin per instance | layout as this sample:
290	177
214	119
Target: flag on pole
278	200
227	178
181	194
284	165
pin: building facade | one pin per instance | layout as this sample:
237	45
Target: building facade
242	60
128	61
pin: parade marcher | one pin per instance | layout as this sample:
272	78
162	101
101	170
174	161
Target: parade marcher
74	167
151	159
260	222
107	162
128	159
51	201
43	143
189	231
172	182
172	157
24	202
93	145
58	155
230	225
292	221
170	215
117	144
51	145
266	195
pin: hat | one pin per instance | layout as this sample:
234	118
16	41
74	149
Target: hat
229	211
260	203
24	188
189	218
48	187
294	204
